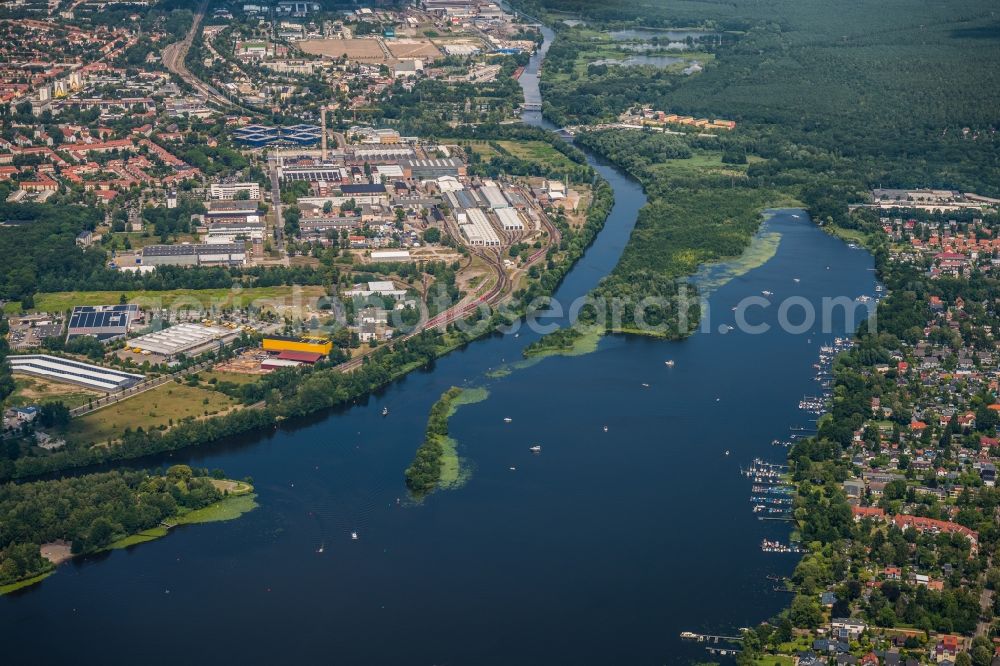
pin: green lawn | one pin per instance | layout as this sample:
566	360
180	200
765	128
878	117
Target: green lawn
152	409
231	377
65	300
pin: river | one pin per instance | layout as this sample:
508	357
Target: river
599	550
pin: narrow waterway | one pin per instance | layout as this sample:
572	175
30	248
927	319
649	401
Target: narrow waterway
599	550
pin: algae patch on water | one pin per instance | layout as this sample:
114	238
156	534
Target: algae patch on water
230	508
761	250
437	463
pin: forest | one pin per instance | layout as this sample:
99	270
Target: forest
899	93
91	511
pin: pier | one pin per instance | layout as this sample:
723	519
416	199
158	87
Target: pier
709	638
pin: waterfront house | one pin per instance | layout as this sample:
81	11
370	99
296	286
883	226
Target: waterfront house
846	629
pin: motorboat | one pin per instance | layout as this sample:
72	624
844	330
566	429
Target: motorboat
385	411
669	363
507	419
535	449
605	428
354	536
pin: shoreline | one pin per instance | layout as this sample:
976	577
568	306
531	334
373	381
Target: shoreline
239	500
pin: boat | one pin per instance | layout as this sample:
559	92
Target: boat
320	549
507	419
727	452
385	411
689	635
605	428
354	536
669	363
645	385
767	293
795	279
535	449
513	468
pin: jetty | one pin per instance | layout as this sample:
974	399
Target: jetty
709	638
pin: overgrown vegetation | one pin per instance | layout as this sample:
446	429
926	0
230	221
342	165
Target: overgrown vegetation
89	513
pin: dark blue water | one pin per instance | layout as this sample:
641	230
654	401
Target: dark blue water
599	550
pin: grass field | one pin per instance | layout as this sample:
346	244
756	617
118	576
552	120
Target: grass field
205	298
232	377
538	151
33	390
152	409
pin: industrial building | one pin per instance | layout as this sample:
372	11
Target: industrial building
378	288
229	191
431	169
207	254
494	196
226	232
326	173
258	136
277	343
510	219
73	372
230	208
187	339
477	228
104	322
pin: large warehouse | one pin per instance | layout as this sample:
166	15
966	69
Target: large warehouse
208	254
277	343
477	228
73	372
104	322
187	339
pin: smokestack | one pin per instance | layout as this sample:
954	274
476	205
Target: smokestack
322	115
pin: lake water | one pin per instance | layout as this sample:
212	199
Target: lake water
599	550
655	61
670	35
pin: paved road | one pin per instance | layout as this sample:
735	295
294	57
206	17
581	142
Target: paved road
279	224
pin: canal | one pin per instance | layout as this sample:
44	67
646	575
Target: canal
601	549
